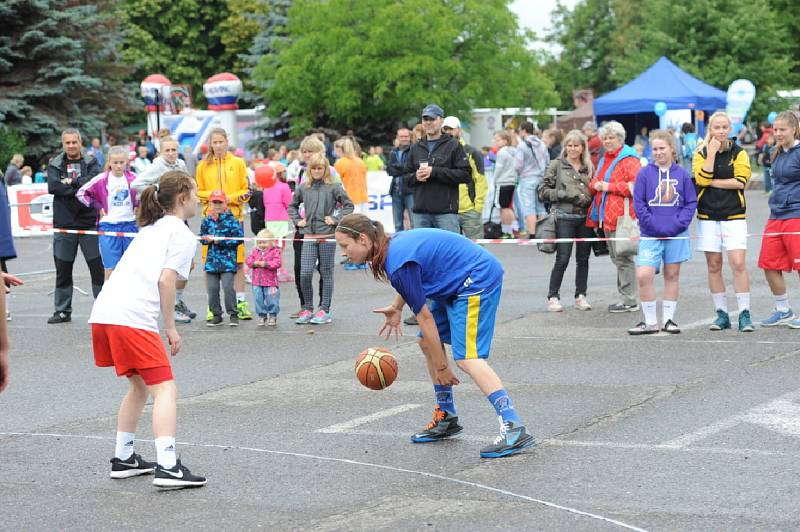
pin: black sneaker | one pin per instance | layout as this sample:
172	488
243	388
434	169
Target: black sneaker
132	467
60	317
512	439
671	327
411	320
443	426
177	477
214	321
234	320
181	306
622	307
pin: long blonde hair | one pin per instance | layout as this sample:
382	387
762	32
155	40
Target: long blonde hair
577	136
315	161
725	146
348	147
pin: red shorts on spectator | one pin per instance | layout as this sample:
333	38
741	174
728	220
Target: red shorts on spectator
780	252
131	352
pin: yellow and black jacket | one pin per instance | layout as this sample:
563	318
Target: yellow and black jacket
720	203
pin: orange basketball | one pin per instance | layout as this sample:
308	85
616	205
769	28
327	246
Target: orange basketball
376	368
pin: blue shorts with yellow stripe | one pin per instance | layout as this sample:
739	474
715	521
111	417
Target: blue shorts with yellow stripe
467	323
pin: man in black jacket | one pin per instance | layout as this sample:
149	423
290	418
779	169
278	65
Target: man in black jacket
402	199
66	173
434	168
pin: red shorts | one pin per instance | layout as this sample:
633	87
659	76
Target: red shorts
780	252
131	352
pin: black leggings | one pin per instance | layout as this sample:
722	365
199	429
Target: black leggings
571	228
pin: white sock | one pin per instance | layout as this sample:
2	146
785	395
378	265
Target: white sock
515	225
668	310
649	310
165	452
506	229
782	302
720	301
178	294
240	297
743	300
124	448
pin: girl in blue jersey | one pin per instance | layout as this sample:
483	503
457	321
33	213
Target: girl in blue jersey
463	282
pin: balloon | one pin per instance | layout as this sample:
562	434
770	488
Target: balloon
239	152
265	176
660	108
771	117
204	149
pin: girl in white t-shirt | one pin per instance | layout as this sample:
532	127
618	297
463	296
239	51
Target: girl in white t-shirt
125	327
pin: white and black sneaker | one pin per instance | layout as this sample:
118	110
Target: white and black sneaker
132	467
177	477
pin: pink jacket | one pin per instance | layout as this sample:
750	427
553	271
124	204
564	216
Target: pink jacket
276	200
265	276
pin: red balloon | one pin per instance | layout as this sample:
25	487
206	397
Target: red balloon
204	148
265	176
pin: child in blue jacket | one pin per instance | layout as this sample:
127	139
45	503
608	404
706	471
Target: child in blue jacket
220	266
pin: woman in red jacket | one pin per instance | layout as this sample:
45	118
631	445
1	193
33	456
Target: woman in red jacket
612	186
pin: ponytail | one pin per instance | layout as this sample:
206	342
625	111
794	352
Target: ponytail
356	225
163	196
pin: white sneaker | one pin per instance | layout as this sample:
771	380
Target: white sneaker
581	303
554	305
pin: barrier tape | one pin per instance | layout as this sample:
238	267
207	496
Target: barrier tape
517	241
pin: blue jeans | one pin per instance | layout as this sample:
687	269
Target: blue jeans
401	202
448	222
268	300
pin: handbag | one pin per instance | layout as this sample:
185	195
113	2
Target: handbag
627	228
546	228
600	247
491	229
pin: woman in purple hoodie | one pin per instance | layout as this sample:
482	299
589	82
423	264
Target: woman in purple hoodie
111	194
665	200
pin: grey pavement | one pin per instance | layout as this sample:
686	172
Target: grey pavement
697	431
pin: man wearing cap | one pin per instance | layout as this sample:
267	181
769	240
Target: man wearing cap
436	165
472	195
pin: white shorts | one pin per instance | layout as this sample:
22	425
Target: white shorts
719	236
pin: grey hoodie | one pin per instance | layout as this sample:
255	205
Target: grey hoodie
319	200
153	173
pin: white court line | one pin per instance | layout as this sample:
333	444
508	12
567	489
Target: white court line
353	423
476	485
751	415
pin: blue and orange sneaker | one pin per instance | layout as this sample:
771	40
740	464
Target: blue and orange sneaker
443	426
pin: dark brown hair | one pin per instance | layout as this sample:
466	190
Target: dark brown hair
356	225
163	196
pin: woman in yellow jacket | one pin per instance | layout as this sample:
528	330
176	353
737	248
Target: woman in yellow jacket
353	172
221	170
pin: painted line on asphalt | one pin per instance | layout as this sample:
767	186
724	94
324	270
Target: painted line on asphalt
353	423
320	458
780	412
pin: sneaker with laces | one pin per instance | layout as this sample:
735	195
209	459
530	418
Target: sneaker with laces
234	320
262	321
616	308
643	328
304	317
214	321
723	321
181	306
745	323
272	321
671	327
794	324
321	318
581	303
554	305
132	467
244	311
443	426
177	477
180	317
60	317
778	318
512	439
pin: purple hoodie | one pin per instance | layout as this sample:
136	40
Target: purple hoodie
95	192
664	200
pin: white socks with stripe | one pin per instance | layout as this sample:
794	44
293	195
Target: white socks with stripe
165	452
124	448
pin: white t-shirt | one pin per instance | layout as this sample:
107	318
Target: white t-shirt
120	206
140	164
130	297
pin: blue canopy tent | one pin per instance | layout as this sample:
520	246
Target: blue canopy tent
633	103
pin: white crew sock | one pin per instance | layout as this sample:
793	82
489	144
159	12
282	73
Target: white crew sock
165	452
240	297
178	294
515	225
649	311
506	229
743	300
668	309
782	302
720	302
124	448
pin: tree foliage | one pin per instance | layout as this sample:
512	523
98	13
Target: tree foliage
370	64
606	43
11	142
58	68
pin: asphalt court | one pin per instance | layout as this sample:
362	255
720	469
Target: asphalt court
697	431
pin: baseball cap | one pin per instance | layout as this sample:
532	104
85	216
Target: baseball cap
218	195
452	122
432	110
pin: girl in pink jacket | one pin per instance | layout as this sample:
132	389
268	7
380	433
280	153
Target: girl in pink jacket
264	261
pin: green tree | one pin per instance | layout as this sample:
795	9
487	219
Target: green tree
370	65
187	40
59	68
11	142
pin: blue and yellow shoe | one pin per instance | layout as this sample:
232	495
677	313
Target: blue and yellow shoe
512	439
443	426
243	311
209	314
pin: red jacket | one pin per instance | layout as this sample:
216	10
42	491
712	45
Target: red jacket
619	189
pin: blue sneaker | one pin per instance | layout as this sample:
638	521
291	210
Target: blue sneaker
321	318
513	438
778	318
745	323
794	324
304	317
723	321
